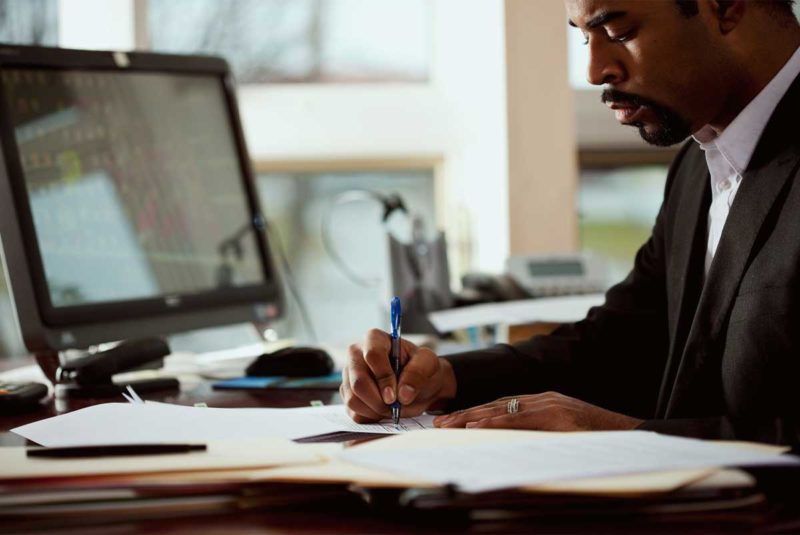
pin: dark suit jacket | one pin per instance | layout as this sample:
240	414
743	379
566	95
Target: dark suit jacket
719	358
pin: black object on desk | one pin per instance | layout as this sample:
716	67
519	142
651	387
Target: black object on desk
91	375
20	397
292	362
114	450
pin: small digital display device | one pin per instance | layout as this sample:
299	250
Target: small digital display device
129	207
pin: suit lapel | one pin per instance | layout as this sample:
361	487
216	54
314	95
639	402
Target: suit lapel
773	162
684	282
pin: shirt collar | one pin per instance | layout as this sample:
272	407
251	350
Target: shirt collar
738	141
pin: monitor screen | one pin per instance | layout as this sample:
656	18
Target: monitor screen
134	184
128	204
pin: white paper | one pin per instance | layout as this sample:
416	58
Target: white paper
222	455
147	423
528	461
336	415
566	309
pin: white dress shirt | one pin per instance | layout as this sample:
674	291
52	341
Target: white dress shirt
728	153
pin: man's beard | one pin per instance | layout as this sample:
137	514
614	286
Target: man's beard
669	128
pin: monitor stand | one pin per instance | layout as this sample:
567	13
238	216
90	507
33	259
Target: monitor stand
90	374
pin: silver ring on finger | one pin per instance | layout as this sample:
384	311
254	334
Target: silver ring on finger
512	407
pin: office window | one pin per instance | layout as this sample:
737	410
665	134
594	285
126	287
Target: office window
578	59
618	208
296	203
24	22
10	338
300	40
29	22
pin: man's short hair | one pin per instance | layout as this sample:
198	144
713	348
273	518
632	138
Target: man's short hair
781	8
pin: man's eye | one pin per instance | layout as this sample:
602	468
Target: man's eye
622	38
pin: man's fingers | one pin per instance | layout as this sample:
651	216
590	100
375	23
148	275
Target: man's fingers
461	418
415	409
371	379
507	421
546	418
358	410
534	402
377	347
407	350
362	383
493	408
416	375
362	413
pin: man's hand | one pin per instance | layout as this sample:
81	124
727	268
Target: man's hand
550	411
369	385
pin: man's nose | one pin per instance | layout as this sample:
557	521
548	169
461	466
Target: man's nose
604	66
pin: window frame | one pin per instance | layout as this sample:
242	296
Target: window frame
478	115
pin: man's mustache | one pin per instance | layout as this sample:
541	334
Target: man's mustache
621	97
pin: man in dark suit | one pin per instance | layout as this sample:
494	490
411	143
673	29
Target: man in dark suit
703	336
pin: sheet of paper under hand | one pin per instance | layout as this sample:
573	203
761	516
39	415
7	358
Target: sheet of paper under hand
146	423
336	415
517	463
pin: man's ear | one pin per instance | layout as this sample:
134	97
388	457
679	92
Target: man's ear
728	13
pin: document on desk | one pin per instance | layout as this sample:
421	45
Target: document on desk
148	423
565	309
336	415
224	455
562	457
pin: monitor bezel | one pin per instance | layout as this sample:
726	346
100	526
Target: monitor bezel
243	303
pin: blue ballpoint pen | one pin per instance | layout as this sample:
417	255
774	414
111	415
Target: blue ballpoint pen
396	315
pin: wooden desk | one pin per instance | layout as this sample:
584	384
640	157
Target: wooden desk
352	515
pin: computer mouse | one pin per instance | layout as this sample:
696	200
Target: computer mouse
292	362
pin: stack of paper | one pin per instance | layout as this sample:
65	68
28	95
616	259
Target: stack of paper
148	423
475	460
525	459
42	493
256	464
223	455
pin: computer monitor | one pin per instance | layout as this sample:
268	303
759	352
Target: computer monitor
128	207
